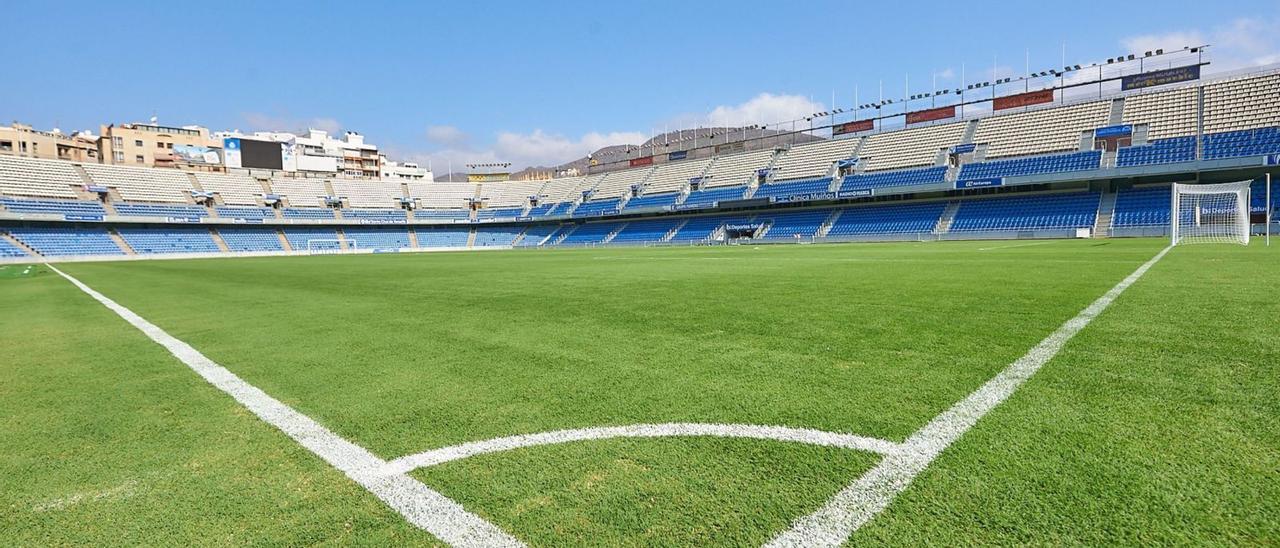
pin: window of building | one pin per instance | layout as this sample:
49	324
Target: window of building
6	146
22	146
117	142
118	157
159	144
137	142
138	159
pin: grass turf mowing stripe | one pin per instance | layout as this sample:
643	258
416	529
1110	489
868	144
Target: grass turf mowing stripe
418	503
858	503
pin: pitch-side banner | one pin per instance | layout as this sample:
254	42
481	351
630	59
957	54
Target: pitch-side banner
647	160
940	113
1024	99
1160	77
853	127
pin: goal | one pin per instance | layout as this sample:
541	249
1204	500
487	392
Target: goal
329	246
1216	213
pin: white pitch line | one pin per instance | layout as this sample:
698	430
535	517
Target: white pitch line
419	504
775	433
856	504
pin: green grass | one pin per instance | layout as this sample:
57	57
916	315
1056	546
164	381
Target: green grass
1157	424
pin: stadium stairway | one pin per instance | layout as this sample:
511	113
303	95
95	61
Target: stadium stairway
342	236
284	242
614	234
413	239
827	224
471	235
675	229
217	240
1106	208
119	240
764	230
948	216
9	239
1116	117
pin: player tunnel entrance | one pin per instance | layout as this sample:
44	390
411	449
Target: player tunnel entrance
742	231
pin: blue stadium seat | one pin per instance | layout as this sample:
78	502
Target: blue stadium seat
597	208
245	212
442	214
590	233
7	249
651	201
499	212
1034	165
1146	206
1251	142
67	240
786	226
250	238
299	236
710	197
646	231
1163	151
535	234
157	210
376	215
376	238
886	179
799	187
1052	211
307	213
888	219
54	207
698	229
443	237
147	240
497	236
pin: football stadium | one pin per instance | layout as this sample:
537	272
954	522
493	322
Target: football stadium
1038	309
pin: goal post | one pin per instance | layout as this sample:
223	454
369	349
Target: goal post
320	246
1210	213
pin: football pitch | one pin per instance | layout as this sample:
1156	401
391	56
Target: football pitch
944	393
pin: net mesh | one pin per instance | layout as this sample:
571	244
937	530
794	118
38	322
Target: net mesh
1216	213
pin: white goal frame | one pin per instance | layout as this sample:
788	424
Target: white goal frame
1209	213
338	246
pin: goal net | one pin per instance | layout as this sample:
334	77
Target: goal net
1210	214
327	246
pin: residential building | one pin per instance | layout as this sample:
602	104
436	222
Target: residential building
22	140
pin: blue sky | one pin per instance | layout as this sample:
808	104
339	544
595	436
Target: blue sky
541	84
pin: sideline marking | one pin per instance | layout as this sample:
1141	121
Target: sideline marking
857	503
776	433
419	504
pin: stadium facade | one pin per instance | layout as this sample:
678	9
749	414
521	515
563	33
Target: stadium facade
1034	168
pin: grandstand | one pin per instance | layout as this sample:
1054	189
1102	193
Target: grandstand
136	184
911	147
736	169
232	189
369	194
300	193
1041	131
813	160
786	193
674	176
25	177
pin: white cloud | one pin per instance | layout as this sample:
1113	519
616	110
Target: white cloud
1244	42
765	108
259	121
449	136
